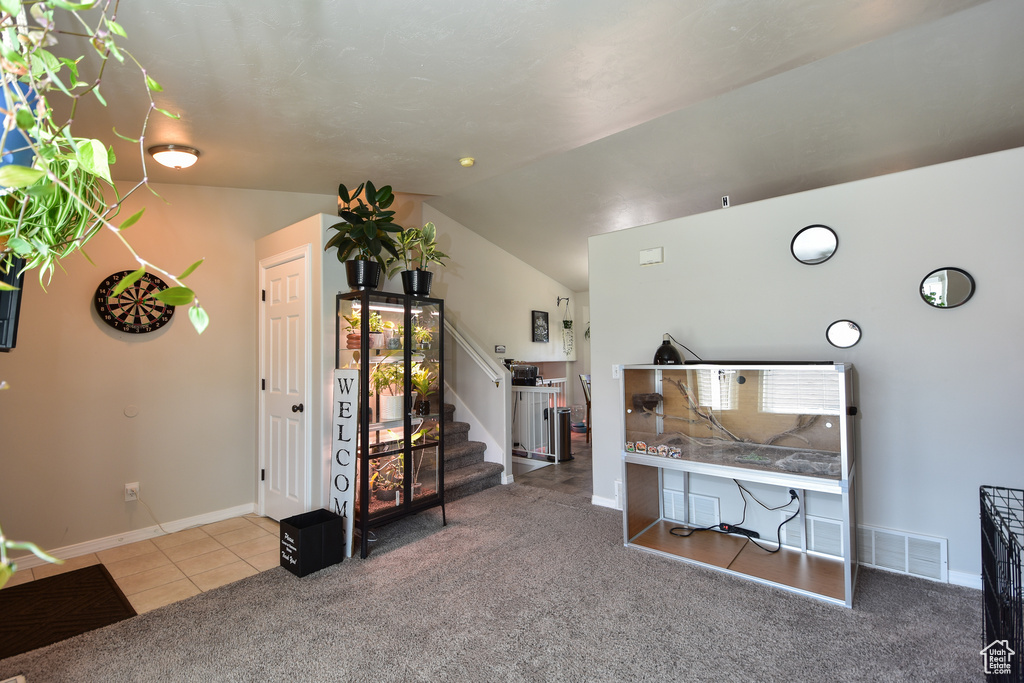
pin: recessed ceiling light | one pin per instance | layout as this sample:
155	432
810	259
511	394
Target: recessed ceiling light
467	161
175	156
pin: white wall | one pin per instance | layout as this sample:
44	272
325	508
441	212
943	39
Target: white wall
67	446
937	388
490	293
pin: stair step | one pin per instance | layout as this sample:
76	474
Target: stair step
463	454
455	433
466	481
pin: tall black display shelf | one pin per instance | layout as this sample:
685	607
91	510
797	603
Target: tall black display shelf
396	341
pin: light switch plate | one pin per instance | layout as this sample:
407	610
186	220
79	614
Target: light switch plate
651	256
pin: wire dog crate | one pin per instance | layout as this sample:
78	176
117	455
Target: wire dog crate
1002	547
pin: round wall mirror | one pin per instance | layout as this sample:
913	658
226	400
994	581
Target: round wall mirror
947	287
843	334
814	244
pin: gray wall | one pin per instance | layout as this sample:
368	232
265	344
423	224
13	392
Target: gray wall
937	388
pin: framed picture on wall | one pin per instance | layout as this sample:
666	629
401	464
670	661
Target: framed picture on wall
540	326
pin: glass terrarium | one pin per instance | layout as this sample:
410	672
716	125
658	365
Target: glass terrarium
784	418
395	342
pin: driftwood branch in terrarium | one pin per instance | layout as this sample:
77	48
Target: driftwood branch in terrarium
709	417
802	422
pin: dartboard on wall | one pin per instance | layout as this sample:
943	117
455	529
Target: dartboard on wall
135	309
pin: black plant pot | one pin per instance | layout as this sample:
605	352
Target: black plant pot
362	274
417	282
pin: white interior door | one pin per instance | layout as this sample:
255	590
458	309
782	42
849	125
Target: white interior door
284	423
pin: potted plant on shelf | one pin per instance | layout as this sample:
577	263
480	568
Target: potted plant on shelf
422	378
388	381
377	328
387	477
422	336
416	249
365	233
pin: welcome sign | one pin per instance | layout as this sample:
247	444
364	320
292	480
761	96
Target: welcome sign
345	411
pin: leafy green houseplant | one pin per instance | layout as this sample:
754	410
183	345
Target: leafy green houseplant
422	379
365	234
422	336
387	380
55	191
416	250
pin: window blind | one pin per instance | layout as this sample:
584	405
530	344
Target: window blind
801	391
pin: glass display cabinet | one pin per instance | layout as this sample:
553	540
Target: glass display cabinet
396	342
781	432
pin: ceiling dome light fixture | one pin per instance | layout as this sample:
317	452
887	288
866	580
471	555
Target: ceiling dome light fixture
174	156
467	161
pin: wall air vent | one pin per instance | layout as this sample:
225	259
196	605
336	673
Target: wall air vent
896	551
823	535
703	510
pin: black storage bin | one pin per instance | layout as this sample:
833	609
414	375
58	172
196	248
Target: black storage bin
312	541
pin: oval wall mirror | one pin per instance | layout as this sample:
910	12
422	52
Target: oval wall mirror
814	244
947	287
843	334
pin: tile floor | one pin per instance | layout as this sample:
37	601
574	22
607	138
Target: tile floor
163	570
574	477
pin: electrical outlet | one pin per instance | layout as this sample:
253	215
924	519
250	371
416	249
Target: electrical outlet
131	492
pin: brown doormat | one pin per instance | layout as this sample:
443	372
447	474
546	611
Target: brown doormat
48	610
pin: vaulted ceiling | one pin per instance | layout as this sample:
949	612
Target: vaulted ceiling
584	116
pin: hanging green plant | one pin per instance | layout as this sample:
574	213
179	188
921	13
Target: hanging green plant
57	193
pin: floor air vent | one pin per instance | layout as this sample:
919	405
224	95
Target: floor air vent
922	556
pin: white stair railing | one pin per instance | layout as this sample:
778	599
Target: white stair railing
480	388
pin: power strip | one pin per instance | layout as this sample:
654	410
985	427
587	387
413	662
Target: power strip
733	529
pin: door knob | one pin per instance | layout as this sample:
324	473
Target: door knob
297	409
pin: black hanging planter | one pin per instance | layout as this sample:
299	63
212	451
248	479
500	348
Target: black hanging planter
362	274
417	282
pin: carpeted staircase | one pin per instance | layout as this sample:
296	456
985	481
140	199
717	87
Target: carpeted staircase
465	471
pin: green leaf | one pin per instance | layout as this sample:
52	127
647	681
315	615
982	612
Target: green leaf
384	194
116	28
168	114
24	119
188	271
343	194
153	85
19	176
12	7
93	157
199	318
128	280
6	570
73	6
132	220
32	548
4	287
96	92
125	137
175	296
41	190
371	192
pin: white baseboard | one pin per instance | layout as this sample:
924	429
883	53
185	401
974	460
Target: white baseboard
965	579
507	478
94	546
605	502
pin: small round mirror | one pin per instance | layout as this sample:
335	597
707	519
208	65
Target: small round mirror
843	334
947	287
814	244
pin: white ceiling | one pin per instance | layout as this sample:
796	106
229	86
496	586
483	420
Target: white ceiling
584	116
